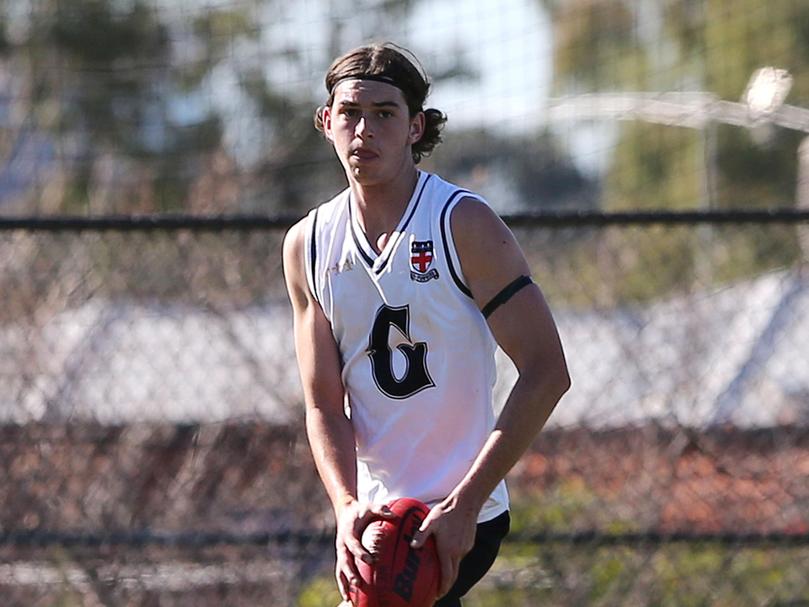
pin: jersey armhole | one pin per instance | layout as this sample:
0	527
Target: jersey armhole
310	254
451	253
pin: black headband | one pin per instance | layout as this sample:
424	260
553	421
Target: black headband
375	77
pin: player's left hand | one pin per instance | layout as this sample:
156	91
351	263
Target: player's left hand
454	530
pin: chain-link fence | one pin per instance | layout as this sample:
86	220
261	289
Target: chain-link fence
151	448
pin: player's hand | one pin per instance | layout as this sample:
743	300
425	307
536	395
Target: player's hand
352	519
454	530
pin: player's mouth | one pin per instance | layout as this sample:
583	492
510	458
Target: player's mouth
364	154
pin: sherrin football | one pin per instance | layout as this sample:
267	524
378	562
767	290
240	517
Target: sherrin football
402	575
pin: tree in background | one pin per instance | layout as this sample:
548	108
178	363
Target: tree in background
98	79
729	40
687	45
515	173
130	101
141	106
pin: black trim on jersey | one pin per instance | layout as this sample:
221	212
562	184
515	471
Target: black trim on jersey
356	238
401	230
458	282
313	255
509	291
383	261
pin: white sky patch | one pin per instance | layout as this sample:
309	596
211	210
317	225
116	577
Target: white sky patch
508	43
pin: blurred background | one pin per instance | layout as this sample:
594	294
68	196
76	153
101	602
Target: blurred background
652	158
206	106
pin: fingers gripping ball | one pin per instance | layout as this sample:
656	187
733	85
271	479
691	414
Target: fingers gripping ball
401	576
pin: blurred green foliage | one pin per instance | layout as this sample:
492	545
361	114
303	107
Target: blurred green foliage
687	45
710	46
207	108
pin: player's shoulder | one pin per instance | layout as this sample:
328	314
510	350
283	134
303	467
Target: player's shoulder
320	215
448	192
445	197
332	205
476	228
436	186
292	249
466	211
472	211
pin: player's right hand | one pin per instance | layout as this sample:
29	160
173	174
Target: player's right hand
352	519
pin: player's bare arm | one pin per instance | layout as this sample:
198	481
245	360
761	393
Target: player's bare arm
329	431
523	326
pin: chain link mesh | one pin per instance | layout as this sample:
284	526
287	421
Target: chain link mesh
152	450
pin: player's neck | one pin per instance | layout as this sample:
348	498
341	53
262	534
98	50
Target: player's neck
380	205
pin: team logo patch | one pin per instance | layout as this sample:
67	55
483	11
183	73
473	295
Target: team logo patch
421	257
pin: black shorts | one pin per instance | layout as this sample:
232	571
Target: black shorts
478	561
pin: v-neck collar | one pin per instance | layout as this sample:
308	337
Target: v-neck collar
378	261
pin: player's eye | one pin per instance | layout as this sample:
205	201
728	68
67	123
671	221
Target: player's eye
385	113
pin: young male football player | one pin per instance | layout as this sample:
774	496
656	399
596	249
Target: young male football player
402	286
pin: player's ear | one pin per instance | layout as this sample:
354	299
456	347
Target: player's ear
416	128
326	118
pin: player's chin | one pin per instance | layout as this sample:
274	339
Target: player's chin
365	175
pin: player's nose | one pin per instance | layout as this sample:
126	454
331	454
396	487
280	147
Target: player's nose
364	127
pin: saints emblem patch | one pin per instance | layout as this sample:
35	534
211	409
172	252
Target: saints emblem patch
421	257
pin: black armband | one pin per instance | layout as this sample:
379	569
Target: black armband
509	291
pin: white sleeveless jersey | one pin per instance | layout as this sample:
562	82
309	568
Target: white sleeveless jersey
417	354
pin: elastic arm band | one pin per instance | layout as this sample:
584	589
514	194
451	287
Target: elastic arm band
509	291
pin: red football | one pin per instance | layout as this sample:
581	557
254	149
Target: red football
401	576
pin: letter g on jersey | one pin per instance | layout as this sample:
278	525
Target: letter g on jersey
416	377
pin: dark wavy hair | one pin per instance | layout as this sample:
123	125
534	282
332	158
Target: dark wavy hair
388	62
